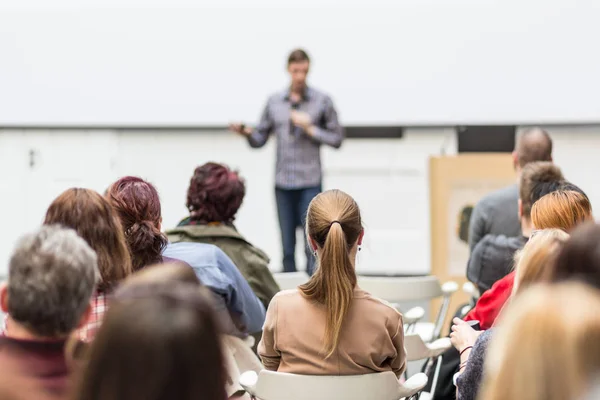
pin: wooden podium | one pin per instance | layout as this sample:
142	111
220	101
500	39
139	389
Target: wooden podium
456	184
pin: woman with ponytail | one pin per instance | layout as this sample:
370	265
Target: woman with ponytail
329	326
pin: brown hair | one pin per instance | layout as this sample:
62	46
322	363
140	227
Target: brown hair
92	217
138	206
538	179
298	55
533	144
580	257
156	342
162	273
333	221
532	262
561	209
546	346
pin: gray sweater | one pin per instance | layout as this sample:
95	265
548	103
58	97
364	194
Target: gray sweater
469	381
497	213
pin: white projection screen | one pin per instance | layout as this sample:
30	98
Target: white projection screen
207	62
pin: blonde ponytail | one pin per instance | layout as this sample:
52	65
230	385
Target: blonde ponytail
333	283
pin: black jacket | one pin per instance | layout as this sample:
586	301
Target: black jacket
492	259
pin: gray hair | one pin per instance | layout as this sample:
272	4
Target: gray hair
51	277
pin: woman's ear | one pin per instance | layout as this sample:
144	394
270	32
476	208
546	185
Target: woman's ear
360	237
4	297
313	244
520	208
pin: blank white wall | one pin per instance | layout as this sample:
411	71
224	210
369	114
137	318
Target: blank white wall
388	178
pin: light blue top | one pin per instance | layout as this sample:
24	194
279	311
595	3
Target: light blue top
217	272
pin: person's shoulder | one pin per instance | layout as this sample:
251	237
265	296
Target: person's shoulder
378	304
499	242
507	193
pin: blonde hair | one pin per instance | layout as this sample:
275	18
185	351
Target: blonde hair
561	209
333	222
533	260
547	346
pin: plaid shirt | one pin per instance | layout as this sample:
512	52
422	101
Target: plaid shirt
298	155
99	307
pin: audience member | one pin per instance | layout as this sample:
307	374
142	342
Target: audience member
137	201
157	342
532	261
492	301
580	258
492	257
329	326
214	197
93	218
138	206
561	209
497	213
547	346
51	278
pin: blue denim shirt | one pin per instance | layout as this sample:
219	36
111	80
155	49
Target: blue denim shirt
217	272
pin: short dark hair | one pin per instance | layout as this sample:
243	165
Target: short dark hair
579	259
160	342
215	194
534	144
298	55
537	180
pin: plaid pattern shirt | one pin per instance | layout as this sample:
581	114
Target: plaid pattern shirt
298	162
99	307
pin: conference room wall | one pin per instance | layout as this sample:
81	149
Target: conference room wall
388	177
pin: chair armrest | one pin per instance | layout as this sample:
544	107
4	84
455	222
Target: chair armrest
248	381
438	347
470	289
449	288
413	385
413	315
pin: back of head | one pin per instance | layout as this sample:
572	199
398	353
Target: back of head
215	194
333	224
533	145
546	346
579	259
51	276
157	343
561	209
538	179
93	218
138	206
533	261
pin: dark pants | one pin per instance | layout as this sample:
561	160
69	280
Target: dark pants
291	209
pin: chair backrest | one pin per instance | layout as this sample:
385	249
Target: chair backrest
291	280
282	386
399	289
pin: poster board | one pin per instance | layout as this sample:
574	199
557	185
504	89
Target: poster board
457	183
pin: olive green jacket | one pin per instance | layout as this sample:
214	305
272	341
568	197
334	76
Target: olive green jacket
252	262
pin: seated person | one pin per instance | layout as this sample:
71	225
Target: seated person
492	257
94	220
546	345
214	197
51	278
157	342
138	205
531	261
329	326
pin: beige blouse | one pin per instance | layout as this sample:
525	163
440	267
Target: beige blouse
371	338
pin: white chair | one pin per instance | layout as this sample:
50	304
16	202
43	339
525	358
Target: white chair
269	385
403	289
290	280
417	349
